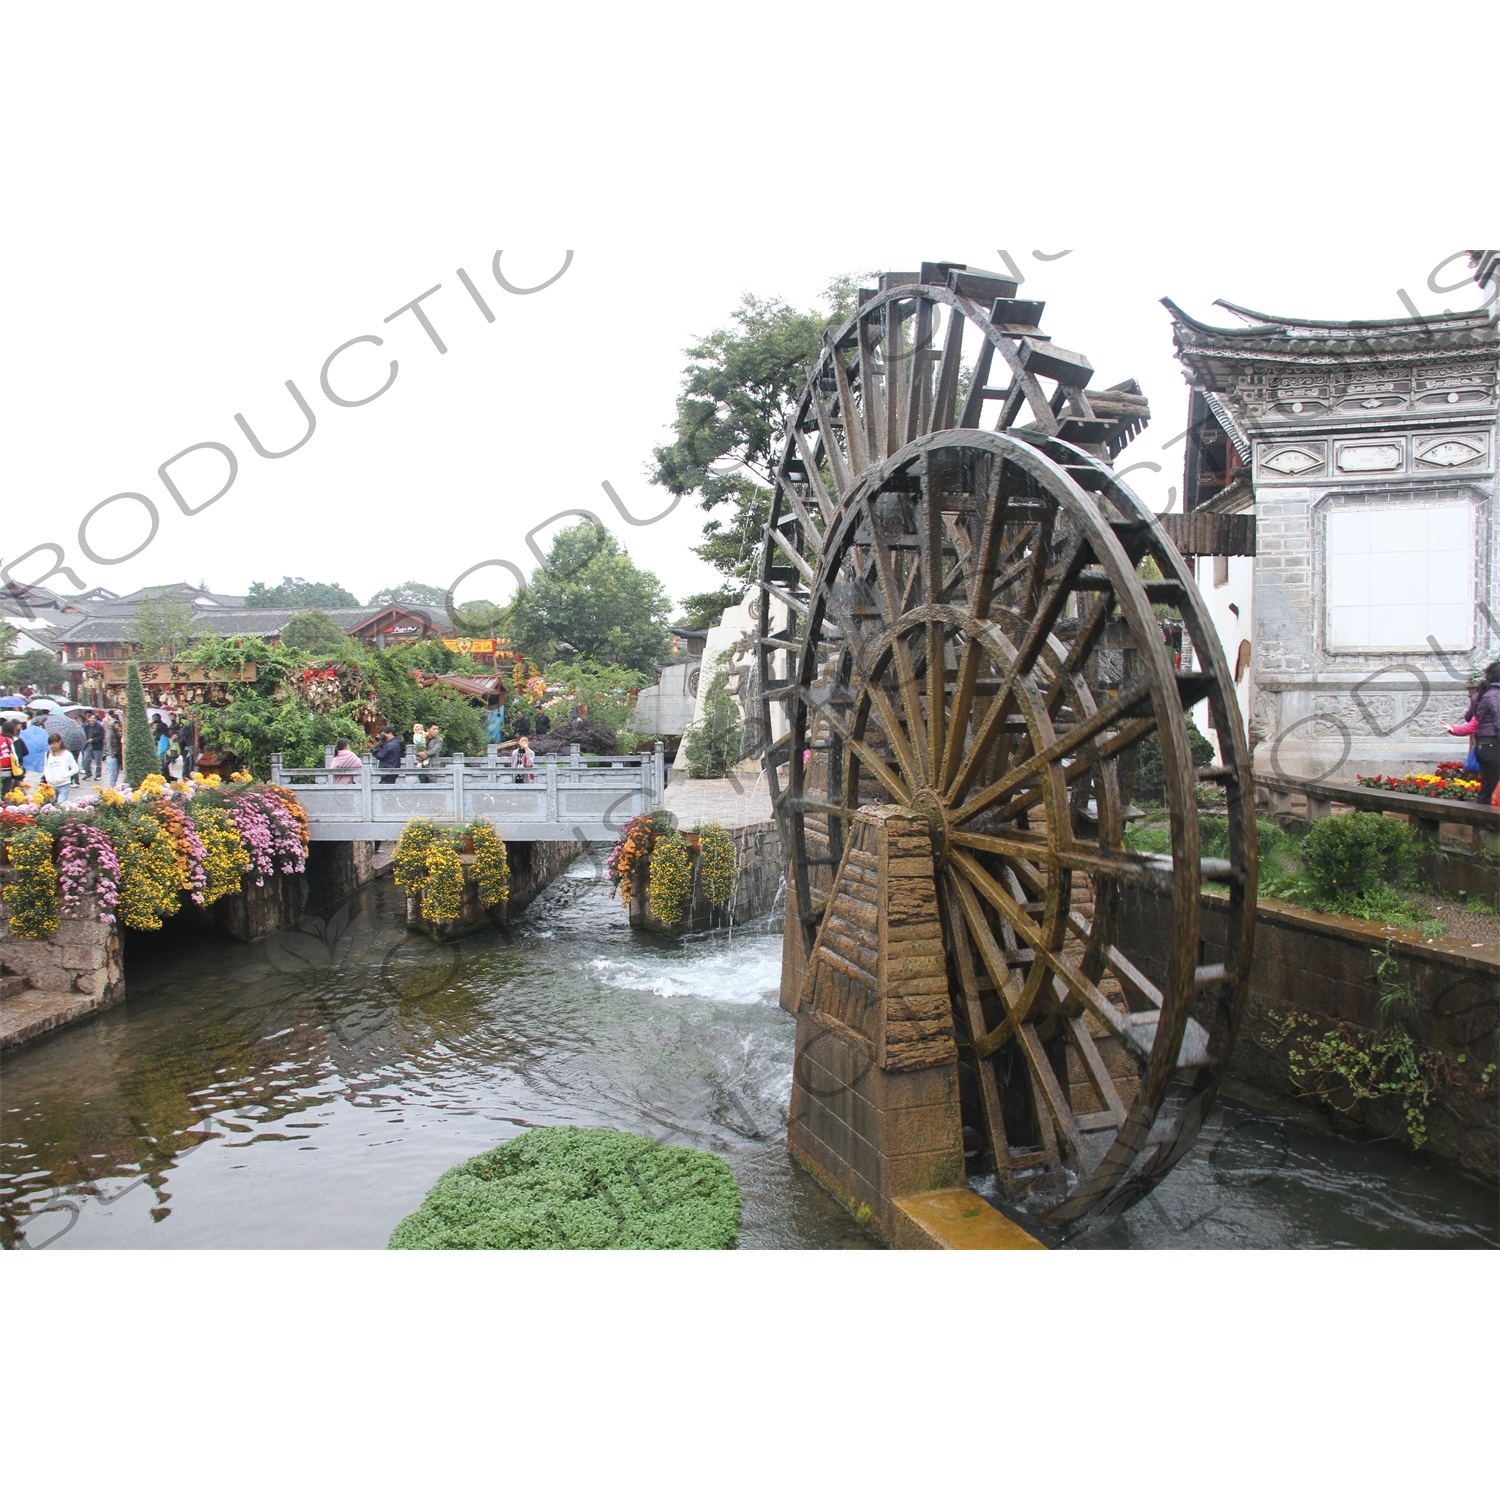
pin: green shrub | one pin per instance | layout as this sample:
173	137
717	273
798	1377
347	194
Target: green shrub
1150	774
563	1188
1353	856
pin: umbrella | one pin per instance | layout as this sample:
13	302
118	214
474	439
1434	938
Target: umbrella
43	705
76	708
12	702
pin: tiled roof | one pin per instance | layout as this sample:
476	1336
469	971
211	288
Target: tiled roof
114	624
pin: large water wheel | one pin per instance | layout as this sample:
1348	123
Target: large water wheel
968	627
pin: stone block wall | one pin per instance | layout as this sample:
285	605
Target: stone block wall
47	982
1326	967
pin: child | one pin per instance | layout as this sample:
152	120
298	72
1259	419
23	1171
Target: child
418	739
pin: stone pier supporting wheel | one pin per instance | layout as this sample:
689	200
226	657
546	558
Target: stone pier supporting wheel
972	635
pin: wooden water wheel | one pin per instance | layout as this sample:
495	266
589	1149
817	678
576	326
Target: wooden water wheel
960	616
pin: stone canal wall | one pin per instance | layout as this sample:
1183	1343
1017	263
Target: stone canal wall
1357	989
533	867
758	890
47	982
334	872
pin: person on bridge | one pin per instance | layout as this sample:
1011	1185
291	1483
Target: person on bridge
1485	727
388	753
522	759
344	759
431	756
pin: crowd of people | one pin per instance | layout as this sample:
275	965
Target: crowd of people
83	746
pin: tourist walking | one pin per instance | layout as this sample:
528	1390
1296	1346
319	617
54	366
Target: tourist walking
344	759
388	754
522	759
34	738
60	770
1484	725
93	747
70	730
522	725
114	750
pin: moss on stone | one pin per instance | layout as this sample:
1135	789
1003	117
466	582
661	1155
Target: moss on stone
565	1188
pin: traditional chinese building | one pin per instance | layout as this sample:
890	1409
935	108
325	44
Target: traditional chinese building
1357	461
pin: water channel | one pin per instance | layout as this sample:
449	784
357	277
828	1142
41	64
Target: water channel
306	1090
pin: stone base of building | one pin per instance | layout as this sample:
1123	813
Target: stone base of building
48	982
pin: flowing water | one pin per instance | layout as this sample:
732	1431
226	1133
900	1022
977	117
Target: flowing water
306	1090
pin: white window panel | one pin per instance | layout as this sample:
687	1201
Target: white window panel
1349	627
1349	531
1397	574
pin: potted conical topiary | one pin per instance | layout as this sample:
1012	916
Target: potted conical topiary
141	759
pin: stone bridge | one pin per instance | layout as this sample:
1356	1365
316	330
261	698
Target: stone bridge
568	798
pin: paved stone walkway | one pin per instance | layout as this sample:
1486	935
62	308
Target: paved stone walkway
733	802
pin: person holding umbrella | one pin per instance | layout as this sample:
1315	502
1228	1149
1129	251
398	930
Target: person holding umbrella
31	745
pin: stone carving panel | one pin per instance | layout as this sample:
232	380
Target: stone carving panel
1370	458
1452	452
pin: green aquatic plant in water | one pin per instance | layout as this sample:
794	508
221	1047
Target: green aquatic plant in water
566	1188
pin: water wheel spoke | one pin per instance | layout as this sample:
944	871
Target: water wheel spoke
1049	755
1082	988
989	1092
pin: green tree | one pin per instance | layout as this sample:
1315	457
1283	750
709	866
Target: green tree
713	744
607	692
314	632
482	618
38	666
8	634
141	759
163	627
410	592
737	394
593	598
298	593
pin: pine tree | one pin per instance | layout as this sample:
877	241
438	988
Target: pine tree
140	749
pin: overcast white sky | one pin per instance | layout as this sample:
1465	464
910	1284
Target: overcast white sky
202	212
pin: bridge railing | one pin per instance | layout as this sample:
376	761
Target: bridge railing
560	797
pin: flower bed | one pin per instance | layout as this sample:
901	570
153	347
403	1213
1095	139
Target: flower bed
140	853
428	864
1447	783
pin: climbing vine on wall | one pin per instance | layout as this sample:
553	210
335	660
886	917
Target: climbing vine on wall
1348	1064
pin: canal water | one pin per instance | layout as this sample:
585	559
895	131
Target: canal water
306	1090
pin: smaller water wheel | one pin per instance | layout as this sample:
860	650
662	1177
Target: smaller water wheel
970	631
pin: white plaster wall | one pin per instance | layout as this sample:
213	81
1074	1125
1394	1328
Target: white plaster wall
1232	629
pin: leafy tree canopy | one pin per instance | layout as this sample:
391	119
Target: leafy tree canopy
163	627
410	592
607	692
593	598
315	632
38	666
731	417
298	593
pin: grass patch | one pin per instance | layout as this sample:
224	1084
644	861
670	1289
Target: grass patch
564	1188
